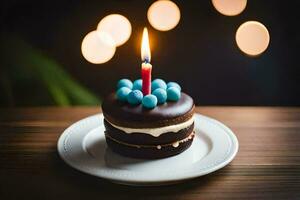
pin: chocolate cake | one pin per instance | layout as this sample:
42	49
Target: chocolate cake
135	130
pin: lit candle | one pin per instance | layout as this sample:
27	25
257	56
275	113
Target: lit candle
146	66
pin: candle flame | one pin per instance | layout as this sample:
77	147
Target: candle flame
145	48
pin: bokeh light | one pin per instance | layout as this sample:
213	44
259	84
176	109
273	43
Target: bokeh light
163	15
117	26
98	47
252	38
229	7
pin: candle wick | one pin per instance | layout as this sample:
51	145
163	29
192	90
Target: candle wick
146	60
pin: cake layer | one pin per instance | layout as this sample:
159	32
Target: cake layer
155	132
149	151
126	115
148	139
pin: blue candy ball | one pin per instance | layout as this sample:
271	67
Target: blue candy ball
124	83
149	101
137	84
173	94
174	84
122	93
135	97
161	95
158	83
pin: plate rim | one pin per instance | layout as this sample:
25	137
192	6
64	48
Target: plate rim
120	180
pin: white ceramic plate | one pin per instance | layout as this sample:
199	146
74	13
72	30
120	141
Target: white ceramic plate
83	147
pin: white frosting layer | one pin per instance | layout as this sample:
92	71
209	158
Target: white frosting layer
156	131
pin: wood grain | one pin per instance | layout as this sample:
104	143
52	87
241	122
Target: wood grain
267	165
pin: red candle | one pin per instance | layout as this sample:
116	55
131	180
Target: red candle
146	77
146	66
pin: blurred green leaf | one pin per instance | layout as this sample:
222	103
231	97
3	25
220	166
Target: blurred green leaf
24	63
58	95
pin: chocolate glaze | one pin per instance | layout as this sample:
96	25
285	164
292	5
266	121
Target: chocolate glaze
124	114
147	152
146	139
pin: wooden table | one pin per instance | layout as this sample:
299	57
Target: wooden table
267	165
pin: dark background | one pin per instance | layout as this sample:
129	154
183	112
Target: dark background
200	53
